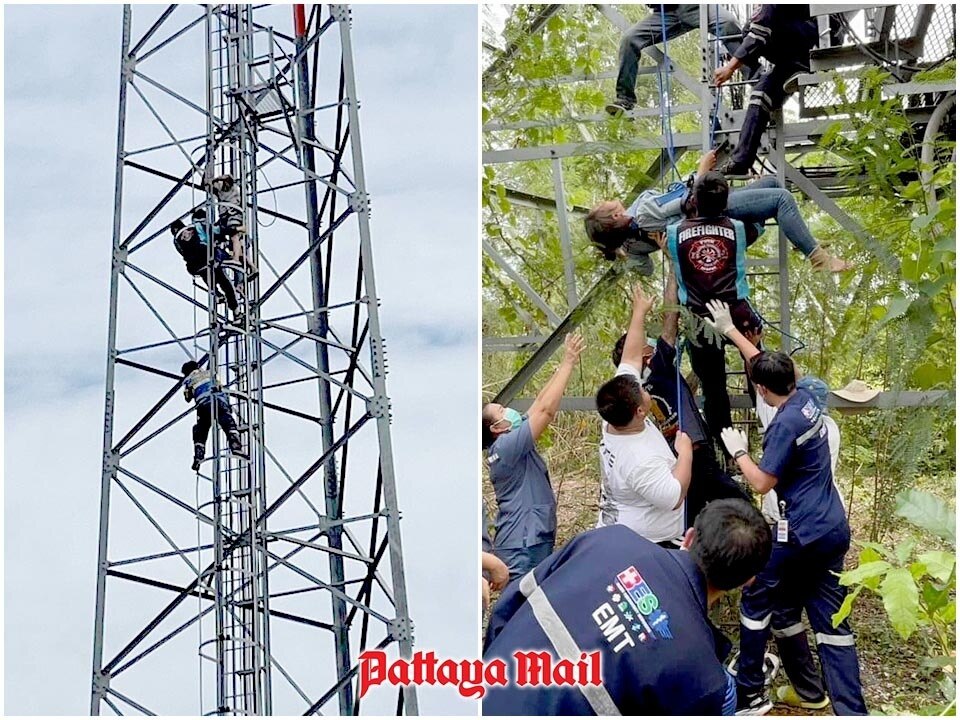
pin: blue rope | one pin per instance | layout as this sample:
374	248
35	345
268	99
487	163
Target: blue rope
716	64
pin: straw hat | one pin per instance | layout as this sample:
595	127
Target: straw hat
857	391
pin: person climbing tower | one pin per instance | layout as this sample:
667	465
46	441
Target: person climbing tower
708	253
203	387
784	35
192	247
665	22
230	220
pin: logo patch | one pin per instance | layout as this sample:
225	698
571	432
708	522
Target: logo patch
708	255
810	411
645	604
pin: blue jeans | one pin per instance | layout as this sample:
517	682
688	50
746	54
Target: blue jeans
763	200
650	31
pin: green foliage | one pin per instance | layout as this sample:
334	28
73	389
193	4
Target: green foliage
918	590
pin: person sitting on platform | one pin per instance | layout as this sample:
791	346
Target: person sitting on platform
784	35
674	407
193	250
708	253
631	232
665	22
203	387
644	484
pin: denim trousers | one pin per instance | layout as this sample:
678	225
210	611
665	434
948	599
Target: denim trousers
673	23
763	200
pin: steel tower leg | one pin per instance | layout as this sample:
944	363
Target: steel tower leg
379	407
101	680
319	325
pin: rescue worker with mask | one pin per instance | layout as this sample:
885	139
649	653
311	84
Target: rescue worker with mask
526	524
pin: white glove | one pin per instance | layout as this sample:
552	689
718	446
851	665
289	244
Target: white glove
735	441
722	322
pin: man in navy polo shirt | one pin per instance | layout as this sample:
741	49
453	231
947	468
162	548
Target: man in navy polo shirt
642	606
812	538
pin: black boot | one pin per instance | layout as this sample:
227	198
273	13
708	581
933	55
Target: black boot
236	447
755	121
198	452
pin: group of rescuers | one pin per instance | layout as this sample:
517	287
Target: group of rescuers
675	531
224	259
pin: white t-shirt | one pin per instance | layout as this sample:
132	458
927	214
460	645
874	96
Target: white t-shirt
770	503
639	489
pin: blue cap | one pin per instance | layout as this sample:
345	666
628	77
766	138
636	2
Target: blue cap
816	387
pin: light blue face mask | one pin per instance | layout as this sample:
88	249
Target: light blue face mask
513	417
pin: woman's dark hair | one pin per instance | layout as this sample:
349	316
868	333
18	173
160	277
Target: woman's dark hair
188	367
603	232
732	543
773	370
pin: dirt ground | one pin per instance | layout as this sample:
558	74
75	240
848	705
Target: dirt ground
893	680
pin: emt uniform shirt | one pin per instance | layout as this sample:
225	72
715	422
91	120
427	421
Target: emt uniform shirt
796	451
709	257
638	487
642	606
527	507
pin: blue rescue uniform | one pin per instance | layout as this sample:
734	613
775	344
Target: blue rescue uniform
642	606
526	525
800	574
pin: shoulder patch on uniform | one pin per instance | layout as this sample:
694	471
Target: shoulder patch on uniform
492	459
638	596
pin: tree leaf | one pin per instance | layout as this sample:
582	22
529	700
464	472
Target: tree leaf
939	564
845	608
903	549
901	600
864	572
928	512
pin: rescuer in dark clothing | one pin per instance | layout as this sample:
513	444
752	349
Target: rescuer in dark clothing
193	250
709	257
783	34
643	607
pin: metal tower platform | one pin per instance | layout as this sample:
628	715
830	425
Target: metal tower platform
903	39
252	586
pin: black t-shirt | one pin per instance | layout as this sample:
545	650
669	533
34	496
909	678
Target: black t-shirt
662	386
709	257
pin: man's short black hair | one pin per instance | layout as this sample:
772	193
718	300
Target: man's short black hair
710	194
619	399
199	214
732	543
176	226
773	370
188	367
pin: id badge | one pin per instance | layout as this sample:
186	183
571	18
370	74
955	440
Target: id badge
782	528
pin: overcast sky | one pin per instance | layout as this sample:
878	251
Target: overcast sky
417	82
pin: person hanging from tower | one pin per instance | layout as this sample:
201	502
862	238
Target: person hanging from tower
192	247
630	232
204	387
230	220
708	253
784	35
666	22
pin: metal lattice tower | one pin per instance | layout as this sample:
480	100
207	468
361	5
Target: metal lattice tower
903	39
224	592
